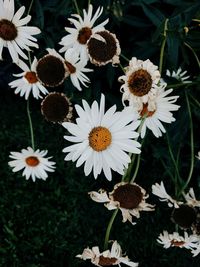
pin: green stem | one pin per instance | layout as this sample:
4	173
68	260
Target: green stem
30	6
124	57
195	55
136	168
177	85
109	229
122	67
163	46
30	125
76	6
196	101
191	146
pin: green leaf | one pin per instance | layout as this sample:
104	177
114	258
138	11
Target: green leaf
135	21
155	15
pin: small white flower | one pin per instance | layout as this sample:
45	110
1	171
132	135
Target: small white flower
156	110
191	199
101	139
14	34
34	163
130	198
159	190
179	75
175	240
28	82
84	28
106	258
140	81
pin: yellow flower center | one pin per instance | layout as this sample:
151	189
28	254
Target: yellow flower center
31	77
32	161
146	112
140	82
100	138
8	31
84	35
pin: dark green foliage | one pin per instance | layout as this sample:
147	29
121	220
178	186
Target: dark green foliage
45	224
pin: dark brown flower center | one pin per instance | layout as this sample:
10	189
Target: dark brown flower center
140	82
50	71
55	107
70	67
102	51
100	138
146	112
105	261
8	31
184	216
84	35
176	243
31	77
129	196
32	161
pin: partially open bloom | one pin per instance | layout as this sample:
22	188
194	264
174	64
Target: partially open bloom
139	82
158	109
130	198
28	82
14	34
56	107
34	163
103	47
82	31
175	240
179	75
106	258
101	139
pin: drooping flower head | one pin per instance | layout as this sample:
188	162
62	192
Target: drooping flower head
82	31
34	163
106	258
28	82
56	107
130	198
101	139
103	47
14	34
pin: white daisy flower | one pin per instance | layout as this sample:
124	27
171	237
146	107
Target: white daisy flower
156	111
160	191
84	28
34	163
28	82
191	198
106	258
179	75
130	198
14	34
101	139
175	240
140	81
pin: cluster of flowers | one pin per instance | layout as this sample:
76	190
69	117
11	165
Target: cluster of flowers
103	140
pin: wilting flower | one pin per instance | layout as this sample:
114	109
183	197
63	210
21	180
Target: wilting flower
84	28
56	107
103	47
179	75
14	34
28	82
130	198
106	258
34	163
139	82
101	138
157	110
175	240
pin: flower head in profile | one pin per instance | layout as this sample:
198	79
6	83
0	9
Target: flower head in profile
175	240
82	31
34	163
27	82
179	75
14	34
130	198
56	107
101	139
139	82
156	110
103	47
106	258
